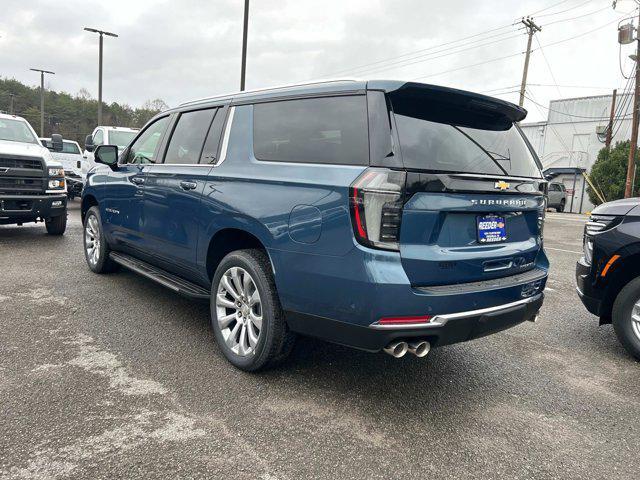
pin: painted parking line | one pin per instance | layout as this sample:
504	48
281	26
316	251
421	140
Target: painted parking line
562	250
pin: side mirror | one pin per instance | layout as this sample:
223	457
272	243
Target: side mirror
56	142
88	143
107	155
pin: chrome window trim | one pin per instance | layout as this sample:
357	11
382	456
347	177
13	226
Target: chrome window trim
441	320
225	137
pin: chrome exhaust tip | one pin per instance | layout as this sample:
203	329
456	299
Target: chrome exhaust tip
397	349
419	349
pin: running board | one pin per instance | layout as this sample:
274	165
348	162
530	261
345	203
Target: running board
164	278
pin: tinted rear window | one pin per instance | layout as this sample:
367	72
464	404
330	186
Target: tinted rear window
316	130
428	144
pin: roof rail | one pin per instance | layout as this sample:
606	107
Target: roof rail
267	89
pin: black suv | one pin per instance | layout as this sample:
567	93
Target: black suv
608	275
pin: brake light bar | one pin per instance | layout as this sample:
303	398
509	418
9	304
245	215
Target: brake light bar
405	320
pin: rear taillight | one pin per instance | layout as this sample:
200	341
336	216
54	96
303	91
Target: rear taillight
376	199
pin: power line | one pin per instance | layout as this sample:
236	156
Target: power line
568	114
579	35
420	59
562	11
577	17
469	66
550	6
408	54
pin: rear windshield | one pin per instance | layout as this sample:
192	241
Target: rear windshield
434	140
121	138
67	147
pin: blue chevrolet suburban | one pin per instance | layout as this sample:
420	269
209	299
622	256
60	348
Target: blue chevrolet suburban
382	215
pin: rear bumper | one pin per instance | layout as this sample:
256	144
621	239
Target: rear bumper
589	296
27	208
442	330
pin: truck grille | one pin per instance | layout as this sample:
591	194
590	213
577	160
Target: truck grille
22	175
27	163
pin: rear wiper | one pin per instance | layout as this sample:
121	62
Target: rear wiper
483	149
501	157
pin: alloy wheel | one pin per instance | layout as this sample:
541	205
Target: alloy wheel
92	240
239	311
635	319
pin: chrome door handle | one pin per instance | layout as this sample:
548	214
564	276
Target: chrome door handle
138	180
188	185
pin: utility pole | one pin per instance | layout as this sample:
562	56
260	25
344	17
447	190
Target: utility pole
610	127
243	68
42	72
11	96
101	33
631	164
532	28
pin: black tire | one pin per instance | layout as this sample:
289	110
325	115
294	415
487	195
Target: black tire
56	225
623	324
560	209
103	264
275	341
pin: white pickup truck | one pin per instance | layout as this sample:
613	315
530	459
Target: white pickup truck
32	184
104	135
72	161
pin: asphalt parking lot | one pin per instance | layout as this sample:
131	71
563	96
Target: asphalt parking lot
115	377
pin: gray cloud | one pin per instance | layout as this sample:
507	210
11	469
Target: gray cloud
180	50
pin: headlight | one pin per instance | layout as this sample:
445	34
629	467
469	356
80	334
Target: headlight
588	249
57	183
56	172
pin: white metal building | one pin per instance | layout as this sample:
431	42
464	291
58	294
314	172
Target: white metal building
569	140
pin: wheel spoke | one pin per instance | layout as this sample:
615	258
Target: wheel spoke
247	283
222	301
244	345
229	288
256	320
255	298
232	339
237	282
225	321
253	336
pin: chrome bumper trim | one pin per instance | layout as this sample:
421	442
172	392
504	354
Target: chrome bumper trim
441	320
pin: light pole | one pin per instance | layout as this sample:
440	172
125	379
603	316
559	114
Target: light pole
42	72
101	33
243	68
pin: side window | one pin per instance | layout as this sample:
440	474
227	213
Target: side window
210	150
315	130
143	149
188	137
98	137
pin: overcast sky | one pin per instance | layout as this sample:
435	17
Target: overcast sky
184	49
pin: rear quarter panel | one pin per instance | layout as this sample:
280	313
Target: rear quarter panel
259	197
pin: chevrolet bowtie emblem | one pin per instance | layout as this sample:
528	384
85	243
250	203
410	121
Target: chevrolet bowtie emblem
502	185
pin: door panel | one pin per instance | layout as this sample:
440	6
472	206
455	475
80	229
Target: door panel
124	213
123	204
171	209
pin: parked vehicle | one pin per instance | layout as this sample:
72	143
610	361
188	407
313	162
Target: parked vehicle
32	183
381	215
608	274
71	159
557	196
106	135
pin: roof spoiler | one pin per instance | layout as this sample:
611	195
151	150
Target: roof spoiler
455	107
